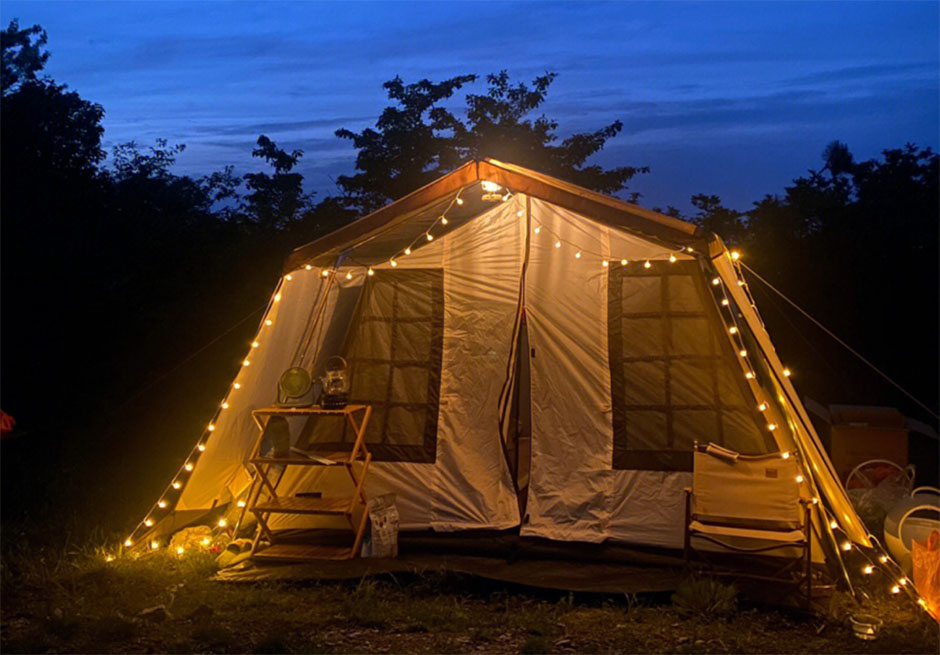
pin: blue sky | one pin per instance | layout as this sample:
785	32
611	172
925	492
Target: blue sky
734	99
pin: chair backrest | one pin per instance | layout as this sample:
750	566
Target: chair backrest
759	490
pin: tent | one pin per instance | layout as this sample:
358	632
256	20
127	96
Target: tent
539	357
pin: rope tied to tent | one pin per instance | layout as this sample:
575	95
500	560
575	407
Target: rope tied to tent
840	341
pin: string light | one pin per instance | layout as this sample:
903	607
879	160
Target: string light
393	263
349	275
211	427
308	267
799	478
443	220
206	541
109	558
558	244
255	344
325	272
735	255
154	545
222	523
624	262
846	546
647	264
459	201
268	322
868	570
288	278
189	466
277	297
161	504
370	272
716	281
148	522
742	353
577	255
605	263
538	228
237	385
724	302
895	589
201	447
883	559
732	330
785	454
762	407
520	213
672	259
771	426
246	362
180	550
749	375
224	405
903	582
240	503
128	543
176	485
786	372
429	236
408	250
833	524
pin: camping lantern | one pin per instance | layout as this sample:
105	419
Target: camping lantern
335	384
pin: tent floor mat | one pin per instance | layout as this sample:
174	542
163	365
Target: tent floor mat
492	554
546	574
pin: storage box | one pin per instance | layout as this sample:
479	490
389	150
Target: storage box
858	434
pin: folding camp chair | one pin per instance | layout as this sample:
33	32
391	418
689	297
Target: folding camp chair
750	504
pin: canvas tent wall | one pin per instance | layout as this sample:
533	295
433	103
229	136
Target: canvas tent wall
640	338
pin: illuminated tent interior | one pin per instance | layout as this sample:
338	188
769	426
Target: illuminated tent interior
539	358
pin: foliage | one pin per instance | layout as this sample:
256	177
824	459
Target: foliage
705	598
22	55
275	201
416	139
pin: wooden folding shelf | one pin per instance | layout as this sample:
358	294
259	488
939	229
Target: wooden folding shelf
264	500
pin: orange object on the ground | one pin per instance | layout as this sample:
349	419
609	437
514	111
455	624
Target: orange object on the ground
927	572
7	423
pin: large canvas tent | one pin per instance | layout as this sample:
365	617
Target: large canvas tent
539	357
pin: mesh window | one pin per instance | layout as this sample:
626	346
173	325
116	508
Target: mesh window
393	349
674	378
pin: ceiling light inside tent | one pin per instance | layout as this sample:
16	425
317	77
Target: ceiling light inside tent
490	191
488	186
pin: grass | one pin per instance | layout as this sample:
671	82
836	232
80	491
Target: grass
71	600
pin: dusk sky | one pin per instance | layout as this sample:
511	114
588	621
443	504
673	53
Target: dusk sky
734	99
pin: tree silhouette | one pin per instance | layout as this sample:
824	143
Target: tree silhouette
275	201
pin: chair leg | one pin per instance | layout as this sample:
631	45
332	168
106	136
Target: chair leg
808	572
687	537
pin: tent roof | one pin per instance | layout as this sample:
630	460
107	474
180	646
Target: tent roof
602	208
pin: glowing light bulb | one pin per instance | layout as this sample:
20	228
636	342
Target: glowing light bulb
393	263
206	541
716	281
799	478
672	259
161	504
222	523
148	522
749	375
211	427
180	550
246	362
349	276
325	272
520	213
288	278
370	272
538	228
189	466
833	525
742	353
240	503
154	545
459	201
277	297
237	385
558	244
605	263
177	485
846	546
128	543
255	344
429	236
903	582
895	589
689	249
732	330
920	601
308	267
868	570
762	407
577	255
408	250
771	426
883	559
225	405
785	454
740	283
268	322
443	220
786	372
815	501
624	262
647	264
201	447
724	302
109	558
735	255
